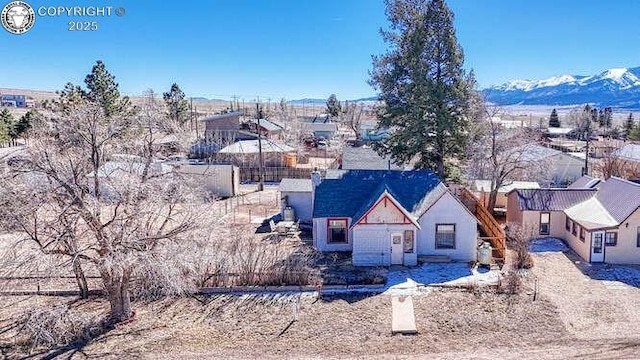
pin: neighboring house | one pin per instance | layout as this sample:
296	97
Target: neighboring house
268	129
391	217
222	128
600	221
246	153
629	158
365	158
297	193
482	188
321	129
219	179
125	168
563	168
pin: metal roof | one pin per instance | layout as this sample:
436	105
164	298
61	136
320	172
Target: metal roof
532	152
620	197
485	185
221	116
251	147
552	199
295	185
266	124
591	214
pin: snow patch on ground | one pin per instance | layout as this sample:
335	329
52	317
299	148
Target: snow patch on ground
416	281
547	245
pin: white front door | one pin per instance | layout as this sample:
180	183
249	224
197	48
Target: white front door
397	250
597	246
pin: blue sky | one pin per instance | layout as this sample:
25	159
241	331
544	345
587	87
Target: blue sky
305	48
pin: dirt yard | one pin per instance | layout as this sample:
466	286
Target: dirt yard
576	315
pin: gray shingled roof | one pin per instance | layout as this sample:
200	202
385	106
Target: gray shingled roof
552	199
295	185
365	158
620	197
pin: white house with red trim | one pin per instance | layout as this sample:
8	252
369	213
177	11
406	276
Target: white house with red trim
391	217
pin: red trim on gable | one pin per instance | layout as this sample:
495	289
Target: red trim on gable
364	219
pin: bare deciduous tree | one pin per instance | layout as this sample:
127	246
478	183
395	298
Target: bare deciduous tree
75	196
500	154
352	117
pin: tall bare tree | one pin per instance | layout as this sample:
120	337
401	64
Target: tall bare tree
352	117
89	190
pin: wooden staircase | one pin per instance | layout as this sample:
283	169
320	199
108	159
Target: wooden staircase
490	229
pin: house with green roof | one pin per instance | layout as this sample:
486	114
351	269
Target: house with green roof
388	217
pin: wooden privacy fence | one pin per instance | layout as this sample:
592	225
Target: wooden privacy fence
274	174
488	225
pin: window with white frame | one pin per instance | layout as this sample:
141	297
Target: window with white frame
445	236
337	231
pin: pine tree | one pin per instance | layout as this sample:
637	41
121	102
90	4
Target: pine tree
628	125
554	121
425	91
333	106
7	126
103	90
177	105
25	122
634	135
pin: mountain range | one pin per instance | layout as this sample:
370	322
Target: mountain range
618	88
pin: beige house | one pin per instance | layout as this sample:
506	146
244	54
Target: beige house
600	220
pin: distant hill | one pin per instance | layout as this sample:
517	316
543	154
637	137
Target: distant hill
618	88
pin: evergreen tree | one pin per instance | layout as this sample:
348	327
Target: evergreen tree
554	121
103	90
608	117
424	89
628	125
177	105
25	122
7	126
634	134
333	106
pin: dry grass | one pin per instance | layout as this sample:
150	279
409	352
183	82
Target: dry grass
339	326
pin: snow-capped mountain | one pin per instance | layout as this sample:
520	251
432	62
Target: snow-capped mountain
615	87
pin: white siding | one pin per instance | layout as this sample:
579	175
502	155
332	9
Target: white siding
320	237
372	244
221	180
447	210
301	203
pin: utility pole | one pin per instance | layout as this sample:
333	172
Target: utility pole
260	160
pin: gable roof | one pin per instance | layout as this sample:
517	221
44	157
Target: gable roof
295	185
551	199
379	195
346	193
365	158
533	152
591	214
620	197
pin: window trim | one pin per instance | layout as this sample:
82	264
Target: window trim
567	224
346	233
548	231
615	238
574	229
582	234
404	241
638	236
435	240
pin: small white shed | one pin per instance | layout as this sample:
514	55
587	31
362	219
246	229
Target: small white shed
297	193
219	179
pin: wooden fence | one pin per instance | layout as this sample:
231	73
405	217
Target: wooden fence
274	174
490	227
